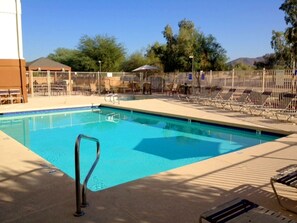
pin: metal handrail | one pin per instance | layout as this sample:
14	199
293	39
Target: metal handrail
112	98
79	205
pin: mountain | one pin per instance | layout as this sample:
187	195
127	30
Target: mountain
245	60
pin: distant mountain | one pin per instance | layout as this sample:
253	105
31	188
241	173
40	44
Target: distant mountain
245	60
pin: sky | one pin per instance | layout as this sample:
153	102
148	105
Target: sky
242	27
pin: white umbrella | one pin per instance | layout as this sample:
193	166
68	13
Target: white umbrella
145	68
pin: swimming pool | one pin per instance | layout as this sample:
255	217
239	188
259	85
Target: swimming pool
133	145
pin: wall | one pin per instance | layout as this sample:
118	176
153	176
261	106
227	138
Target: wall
12	63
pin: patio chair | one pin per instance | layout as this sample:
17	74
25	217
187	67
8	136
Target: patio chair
286	176
4	96
183	97
175	89
203	93
242	210
214	94
183	94
168	88
239	101
256	100
224	98
15	95
285	105
93	88
147	88
289	109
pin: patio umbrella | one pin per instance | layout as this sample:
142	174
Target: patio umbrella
145	69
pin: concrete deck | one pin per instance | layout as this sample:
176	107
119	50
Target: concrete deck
31	192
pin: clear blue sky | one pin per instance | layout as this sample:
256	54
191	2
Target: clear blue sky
242	27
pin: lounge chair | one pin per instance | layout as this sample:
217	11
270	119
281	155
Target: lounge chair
284	103
224	98
183	97
242	210
213	95
286	176
256	100
289	106
239	101
204	93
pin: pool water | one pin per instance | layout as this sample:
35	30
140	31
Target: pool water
133	145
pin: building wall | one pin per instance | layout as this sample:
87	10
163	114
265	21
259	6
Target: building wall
12	63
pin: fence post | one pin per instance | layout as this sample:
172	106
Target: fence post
48	76
293	77
31	83
210	77
232	83
263	80
99	83
69	87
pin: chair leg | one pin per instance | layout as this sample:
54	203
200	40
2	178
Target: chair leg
278	199
276	194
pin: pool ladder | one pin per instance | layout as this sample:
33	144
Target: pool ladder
114	98
113	117
81	201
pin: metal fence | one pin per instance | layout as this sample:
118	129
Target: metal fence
49	83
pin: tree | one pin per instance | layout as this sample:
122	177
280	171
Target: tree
282	49
242	66
210	54
105	49
174	55
155	55
89	52
269	62
133	61
290	9
73	58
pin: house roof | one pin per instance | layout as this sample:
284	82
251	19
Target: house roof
46	64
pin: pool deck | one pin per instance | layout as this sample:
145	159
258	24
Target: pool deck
31	190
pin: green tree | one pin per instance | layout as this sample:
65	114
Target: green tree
73	58
105	49
174	55
89	52
133	61
169	55
269	62
282	49
242	66
290	9
156	55
210	54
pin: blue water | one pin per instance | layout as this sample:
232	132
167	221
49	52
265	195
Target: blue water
133	145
